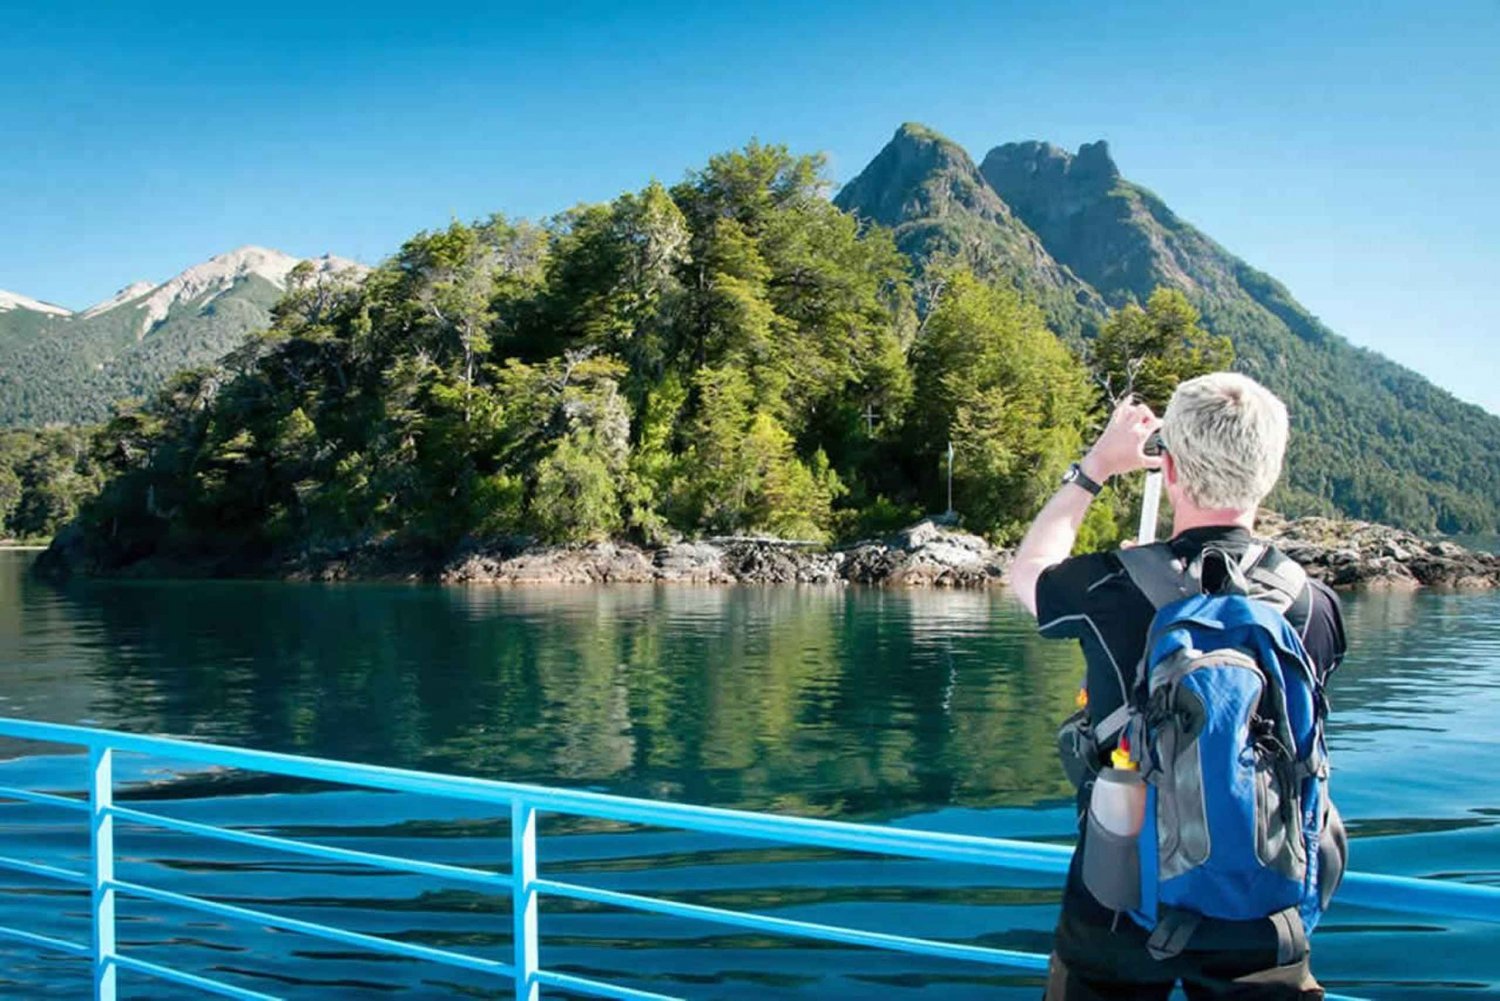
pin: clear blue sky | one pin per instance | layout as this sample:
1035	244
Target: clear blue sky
1353	151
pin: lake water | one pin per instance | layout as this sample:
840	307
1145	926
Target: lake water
933	710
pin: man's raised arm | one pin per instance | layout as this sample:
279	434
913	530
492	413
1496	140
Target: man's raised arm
1049	540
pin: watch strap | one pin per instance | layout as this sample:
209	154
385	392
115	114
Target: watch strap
1077	475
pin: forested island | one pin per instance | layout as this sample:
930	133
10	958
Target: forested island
732	356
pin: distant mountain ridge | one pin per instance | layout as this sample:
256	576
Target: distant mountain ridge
1372	439
11	301
57	366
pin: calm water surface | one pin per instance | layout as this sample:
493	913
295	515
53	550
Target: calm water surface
933	710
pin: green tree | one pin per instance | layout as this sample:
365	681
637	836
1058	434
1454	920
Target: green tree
1148	351
1013	400
742	473
613	281
577	494
44	476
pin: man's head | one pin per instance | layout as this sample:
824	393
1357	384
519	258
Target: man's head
1225	435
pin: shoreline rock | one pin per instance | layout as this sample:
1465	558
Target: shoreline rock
924	555
1345	554
1360	554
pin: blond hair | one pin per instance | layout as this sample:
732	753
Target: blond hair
1227	436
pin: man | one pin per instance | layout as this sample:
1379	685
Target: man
1224	436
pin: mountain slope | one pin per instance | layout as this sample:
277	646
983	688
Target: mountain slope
1118	237
1372	439
1377	440
927	189
23	319
72	367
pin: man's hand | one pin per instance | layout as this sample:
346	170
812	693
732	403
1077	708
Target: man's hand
1121	448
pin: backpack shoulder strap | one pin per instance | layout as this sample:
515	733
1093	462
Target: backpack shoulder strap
1276	578
1159	575
1163	578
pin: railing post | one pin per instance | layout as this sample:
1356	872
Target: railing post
102	870
523	897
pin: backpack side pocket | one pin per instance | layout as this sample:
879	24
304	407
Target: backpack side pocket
1112	866
1278	833
1333	853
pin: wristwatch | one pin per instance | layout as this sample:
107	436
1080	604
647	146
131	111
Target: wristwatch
1075	474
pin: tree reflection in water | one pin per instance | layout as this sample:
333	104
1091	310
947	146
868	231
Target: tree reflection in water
822	701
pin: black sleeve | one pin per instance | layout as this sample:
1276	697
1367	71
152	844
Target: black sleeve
1324	634
1061	592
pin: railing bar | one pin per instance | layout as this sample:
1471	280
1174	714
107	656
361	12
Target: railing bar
39	869
190	980
495	881
102	870
44	798
827	833
372	942
800	929
930	845
46	941
1408	895
583	985
523	901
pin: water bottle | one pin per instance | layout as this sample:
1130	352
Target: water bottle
1111	853
1118	802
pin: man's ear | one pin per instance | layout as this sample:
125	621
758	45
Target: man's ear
1168	468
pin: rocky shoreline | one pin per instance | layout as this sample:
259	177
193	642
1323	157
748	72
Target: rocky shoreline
1360	554
924	555
1345	554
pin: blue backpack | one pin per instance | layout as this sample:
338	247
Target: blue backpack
1226	723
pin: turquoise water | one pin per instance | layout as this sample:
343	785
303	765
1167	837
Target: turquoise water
933	710
1488	542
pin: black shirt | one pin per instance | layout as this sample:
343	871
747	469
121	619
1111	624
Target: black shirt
1092	599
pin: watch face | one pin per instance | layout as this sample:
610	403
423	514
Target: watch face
1071	474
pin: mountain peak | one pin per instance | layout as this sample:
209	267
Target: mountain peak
14	300
917	132
221	272
1093	161
56	366
129	293
918	173
1117	237
1010	165
926	188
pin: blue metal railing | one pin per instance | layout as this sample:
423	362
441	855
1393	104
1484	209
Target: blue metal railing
523	883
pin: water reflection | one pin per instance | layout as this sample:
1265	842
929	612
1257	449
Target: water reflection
825	701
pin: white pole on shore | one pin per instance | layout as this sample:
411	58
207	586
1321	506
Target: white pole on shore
950	478
1150	504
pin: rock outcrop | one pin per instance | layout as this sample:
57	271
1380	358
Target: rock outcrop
923	555
1350	554
926	554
